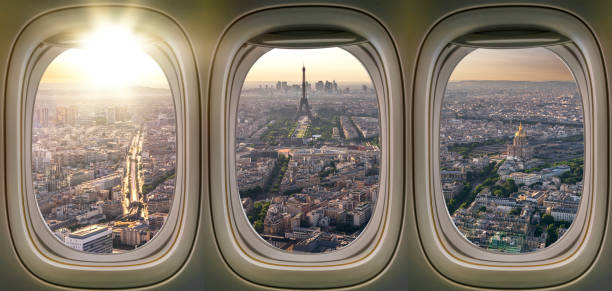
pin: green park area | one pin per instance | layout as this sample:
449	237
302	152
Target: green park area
277	130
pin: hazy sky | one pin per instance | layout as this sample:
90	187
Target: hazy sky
119	68
534	64
92	69
321	64
78	67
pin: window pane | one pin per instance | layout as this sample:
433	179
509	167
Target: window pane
512	149
308	148
104	149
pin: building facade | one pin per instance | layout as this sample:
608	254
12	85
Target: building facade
92	239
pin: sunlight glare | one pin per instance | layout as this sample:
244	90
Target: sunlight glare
112	57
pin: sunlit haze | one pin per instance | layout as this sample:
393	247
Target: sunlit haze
533	64
113	59
110	58
321	64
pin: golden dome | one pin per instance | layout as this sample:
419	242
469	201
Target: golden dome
520	131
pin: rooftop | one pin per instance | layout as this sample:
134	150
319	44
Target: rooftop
89	231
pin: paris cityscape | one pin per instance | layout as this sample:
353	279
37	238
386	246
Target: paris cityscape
308	161
103	164
511	161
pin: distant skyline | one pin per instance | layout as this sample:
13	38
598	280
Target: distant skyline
532	64
321	64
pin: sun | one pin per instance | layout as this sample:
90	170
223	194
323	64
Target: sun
111	57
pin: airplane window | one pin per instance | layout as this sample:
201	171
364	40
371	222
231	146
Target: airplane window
308	148
512	149
104	147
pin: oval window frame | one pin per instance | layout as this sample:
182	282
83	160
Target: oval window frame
568	54
460	264
249	55
40	41
292	270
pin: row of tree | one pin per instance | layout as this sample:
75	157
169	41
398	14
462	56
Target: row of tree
257	215
467	195
146	188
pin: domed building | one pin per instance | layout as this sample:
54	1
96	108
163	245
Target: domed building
520	146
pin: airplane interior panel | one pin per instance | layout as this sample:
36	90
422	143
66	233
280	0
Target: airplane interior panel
292	145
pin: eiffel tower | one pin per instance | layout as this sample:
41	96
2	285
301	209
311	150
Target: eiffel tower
303	107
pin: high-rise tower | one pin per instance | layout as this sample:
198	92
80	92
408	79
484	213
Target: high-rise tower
303	107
